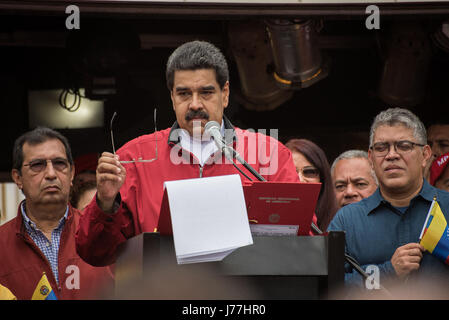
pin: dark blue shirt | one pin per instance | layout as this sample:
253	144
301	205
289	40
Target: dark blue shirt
375	229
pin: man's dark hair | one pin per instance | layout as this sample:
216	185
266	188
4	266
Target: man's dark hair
197	55
34	137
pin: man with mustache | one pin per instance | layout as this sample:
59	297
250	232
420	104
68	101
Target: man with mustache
353	177
42	236
129	194
384	229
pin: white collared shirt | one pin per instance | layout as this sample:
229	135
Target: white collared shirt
201	149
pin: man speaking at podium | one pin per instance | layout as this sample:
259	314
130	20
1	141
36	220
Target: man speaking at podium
130	183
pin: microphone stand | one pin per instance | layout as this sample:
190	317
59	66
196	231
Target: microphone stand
353	262
236	155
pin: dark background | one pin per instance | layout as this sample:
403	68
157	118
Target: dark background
38	52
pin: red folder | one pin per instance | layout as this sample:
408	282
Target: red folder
282	203
267	203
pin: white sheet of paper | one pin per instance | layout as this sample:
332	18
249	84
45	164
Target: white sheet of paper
209	217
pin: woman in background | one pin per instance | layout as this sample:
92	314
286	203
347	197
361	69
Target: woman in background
312	166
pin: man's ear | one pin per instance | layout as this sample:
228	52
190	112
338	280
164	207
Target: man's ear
172	100
370	158
72	174
225	94
17	177
427	153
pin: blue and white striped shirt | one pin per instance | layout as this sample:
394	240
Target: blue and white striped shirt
50	249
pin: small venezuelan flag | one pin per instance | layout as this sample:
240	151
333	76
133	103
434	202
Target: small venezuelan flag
43	290
6	294
435	234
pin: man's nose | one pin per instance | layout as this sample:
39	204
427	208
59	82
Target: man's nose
392	153
50	172
350	191
196	103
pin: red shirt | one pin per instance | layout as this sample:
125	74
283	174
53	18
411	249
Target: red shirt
22	264
141	194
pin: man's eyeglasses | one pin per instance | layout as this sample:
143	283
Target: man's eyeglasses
139	159
381	149
38	165
310	172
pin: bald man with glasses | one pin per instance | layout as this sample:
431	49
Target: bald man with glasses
383	230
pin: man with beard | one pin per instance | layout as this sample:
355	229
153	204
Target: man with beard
198	79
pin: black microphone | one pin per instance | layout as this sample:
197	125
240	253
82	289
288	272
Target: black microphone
213	129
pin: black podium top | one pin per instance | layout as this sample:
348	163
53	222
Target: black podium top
287	267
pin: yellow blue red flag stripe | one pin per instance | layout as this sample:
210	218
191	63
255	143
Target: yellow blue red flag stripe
6	294
435	234
43	290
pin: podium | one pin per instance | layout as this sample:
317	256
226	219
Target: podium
289	267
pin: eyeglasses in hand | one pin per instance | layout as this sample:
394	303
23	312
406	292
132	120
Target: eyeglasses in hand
139	159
